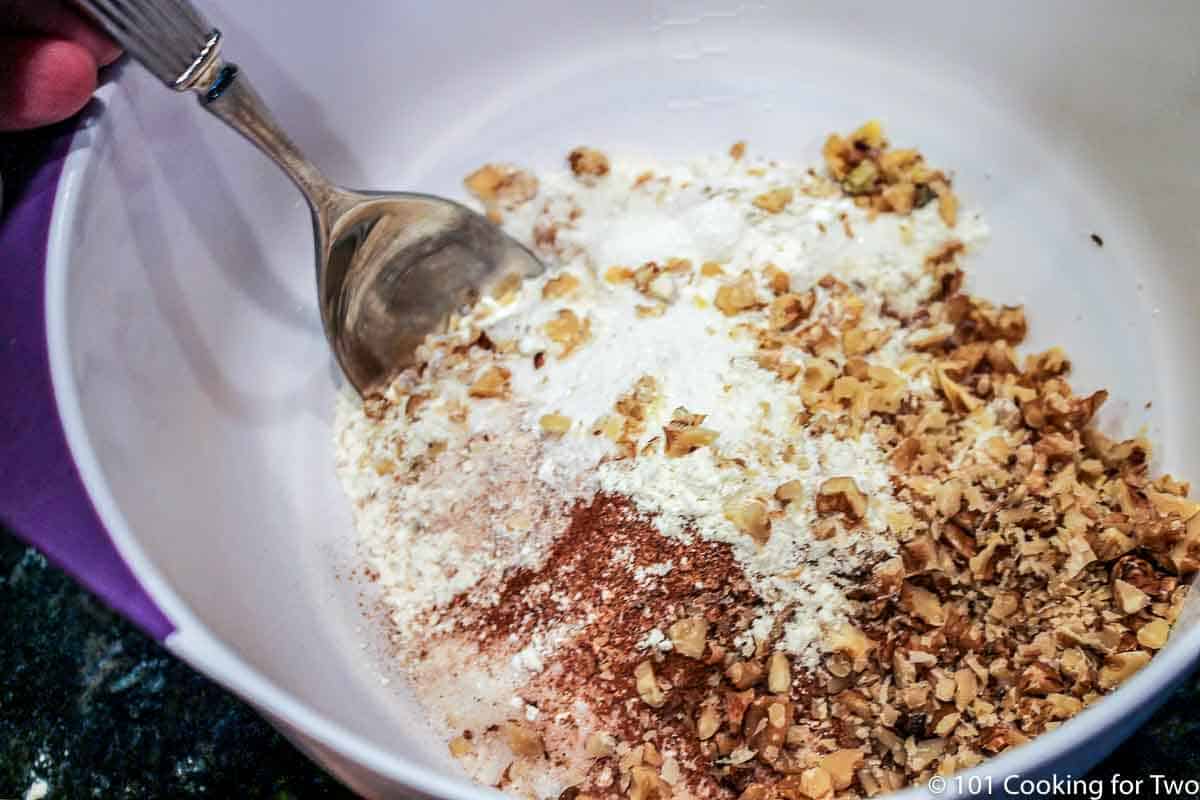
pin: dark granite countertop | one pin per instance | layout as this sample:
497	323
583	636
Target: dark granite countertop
95	709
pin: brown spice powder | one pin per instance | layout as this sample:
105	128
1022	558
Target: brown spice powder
594	563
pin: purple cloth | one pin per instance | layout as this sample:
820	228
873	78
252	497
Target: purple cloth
42	499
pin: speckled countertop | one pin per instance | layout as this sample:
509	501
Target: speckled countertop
95	709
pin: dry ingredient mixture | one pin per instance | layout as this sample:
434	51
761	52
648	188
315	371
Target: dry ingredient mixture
747	498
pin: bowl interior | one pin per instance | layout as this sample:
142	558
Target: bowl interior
183	317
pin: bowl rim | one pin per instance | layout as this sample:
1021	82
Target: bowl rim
196	644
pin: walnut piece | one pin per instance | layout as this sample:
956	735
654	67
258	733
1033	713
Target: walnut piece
647	685
555	424
589	162
493	382
708	723
502	185
568	331
923	604
647	784
851	641
689	636
789	310
777	279
600	744
775	200
841	495
883	179
561	285
618	275
522	740
684	434
1119	667
1154	634
779	673
842	766
1130	599
816	783
744	674
789	492
749	515
738	296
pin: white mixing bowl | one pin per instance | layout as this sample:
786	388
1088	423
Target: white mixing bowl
172	342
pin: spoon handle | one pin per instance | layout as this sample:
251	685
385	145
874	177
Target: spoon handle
231	98
177	45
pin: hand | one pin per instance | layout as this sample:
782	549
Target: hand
49	56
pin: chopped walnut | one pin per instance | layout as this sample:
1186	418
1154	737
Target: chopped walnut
923	604
568	331
744	674
779	673
884	179
959	398
1153	635
708	723
562	285
522	740
1004	605
931	337
493	382
816	783
588	162
738	296
618	275
1119	667
966	688
749	515
555	424
684	434
789	310
647	784
600	744
1079	556
841	495
852	642
647	685
689	636
775	200
502	185
778	280
842	766
789	492
1130	599
947	202
1040	679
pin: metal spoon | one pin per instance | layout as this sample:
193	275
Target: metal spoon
390	267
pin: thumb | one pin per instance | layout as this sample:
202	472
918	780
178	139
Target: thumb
42	81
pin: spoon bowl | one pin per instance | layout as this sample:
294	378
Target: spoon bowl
394	267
